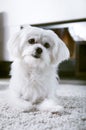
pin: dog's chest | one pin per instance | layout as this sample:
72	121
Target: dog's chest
35	86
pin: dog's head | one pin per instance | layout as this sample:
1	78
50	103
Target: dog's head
37	47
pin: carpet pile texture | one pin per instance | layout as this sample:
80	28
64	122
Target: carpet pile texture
72	97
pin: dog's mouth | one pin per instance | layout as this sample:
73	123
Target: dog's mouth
36	56
37	53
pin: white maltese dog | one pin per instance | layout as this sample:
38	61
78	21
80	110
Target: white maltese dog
36	54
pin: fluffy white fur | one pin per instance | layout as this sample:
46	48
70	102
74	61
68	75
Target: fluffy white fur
33	82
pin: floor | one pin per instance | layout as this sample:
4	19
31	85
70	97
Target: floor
71	95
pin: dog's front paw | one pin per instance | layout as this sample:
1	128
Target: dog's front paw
50	106
21	105
26	107
57	109
53	109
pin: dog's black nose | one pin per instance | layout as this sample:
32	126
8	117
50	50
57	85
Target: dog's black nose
38	50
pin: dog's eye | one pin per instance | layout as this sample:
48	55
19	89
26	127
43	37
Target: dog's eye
47	45
31	41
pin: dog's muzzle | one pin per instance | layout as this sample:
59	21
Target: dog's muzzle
38	52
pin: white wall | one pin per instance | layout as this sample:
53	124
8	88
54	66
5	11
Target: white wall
18	12
40	11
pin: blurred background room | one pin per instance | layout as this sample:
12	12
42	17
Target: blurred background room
66	18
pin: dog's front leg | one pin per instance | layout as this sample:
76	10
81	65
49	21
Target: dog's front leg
18	103
50	106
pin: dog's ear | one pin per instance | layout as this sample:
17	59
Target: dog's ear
13	46
61	51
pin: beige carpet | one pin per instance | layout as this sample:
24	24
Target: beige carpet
72	97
